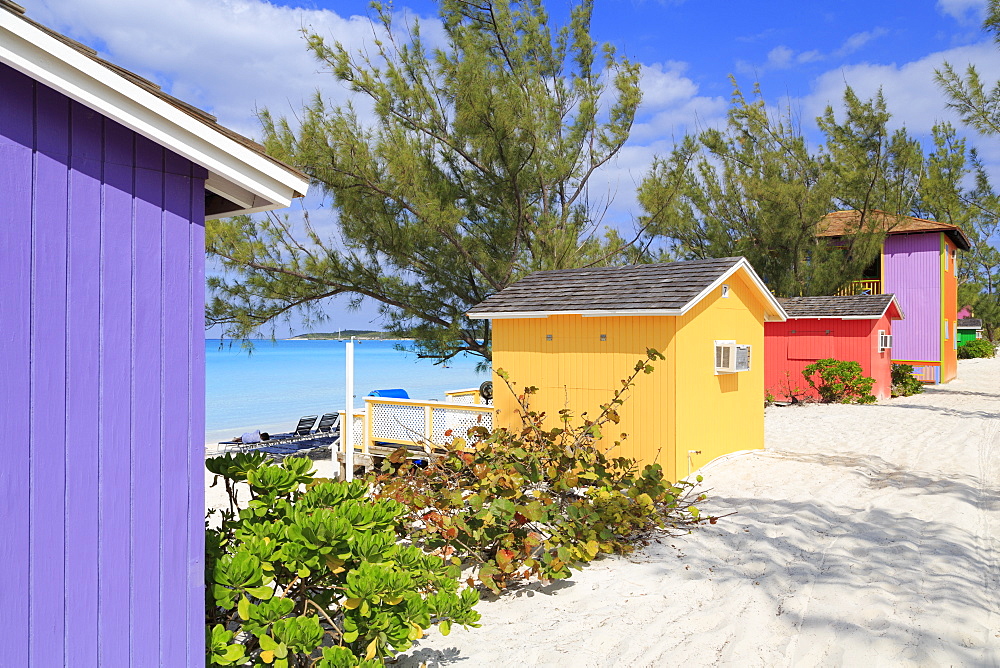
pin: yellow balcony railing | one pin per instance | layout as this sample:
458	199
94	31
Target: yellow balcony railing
866	287
468	396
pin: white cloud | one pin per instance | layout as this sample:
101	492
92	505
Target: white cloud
782	57
664	84
229	57
858	40
910	92
779	58
963	11
671	108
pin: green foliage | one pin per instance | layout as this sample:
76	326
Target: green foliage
976	348
839	382
979	108
473	171
536	501
308	572
968	95
904	384
757	189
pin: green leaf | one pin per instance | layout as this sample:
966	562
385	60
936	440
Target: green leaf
264	593
445	627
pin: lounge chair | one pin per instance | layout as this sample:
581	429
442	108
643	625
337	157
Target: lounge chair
328	425
302	430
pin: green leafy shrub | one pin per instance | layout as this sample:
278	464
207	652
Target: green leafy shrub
976	348
839	382
534	502
308	572
904	384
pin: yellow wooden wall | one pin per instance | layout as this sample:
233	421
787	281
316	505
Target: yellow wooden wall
722	413
681	406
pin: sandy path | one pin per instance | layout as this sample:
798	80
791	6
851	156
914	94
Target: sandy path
866	536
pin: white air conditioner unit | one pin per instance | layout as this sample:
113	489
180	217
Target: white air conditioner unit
884	340
731	357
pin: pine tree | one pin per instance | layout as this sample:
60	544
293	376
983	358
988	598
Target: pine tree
757	189
469	169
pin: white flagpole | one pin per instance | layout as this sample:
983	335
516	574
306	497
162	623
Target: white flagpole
348	425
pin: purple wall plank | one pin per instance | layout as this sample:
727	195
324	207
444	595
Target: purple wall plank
83	401
48	386
102	268
196	427
16	170
913	274
175	437
146	397
115	446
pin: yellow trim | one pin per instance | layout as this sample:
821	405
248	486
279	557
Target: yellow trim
881	272
944	270
471	392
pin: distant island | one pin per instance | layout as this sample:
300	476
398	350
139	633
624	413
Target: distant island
366	335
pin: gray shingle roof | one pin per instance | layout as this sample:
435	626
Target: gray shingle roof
665	286
970	323
846	306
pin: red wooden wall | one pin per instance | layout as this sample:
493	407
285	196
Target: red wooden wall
791	346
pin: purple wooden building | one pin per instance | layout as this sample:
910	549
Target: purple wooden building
105	186
919	264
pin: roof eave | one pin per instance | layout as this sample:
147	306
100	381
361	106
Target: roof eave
591	313
233	168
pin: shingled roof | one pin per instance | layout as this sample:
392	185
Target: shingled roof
845	307
840	223
970	323
242	176
640	289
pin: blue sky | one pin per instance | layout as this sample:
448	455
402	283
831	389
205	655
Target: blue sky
231	57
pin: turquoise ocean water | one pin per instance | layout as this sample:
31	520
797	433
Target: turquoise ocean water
279	382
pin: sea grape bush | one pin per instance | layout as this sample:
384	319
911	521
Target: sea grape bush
308	572
513	504
839	382
904	384
976	348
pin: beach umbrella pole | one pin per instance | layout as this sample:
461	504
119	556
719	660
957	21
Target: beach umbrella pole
349	411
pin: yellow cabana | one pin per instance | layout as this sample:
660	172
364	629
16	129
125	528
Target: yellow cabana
576	333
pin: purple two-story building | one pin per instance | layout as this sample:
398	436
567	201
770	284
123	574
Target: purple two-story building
918	264
105	186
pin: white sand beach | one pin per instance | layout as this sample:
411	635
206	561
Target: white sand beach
864	536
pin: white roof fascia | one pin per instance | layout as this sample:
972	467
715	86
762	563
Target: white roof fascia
49	61
779	312
603	313
606	313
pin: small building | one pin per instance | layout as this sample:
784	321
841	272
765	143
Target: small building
575	334
969	329
853	328
105	186
918	264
